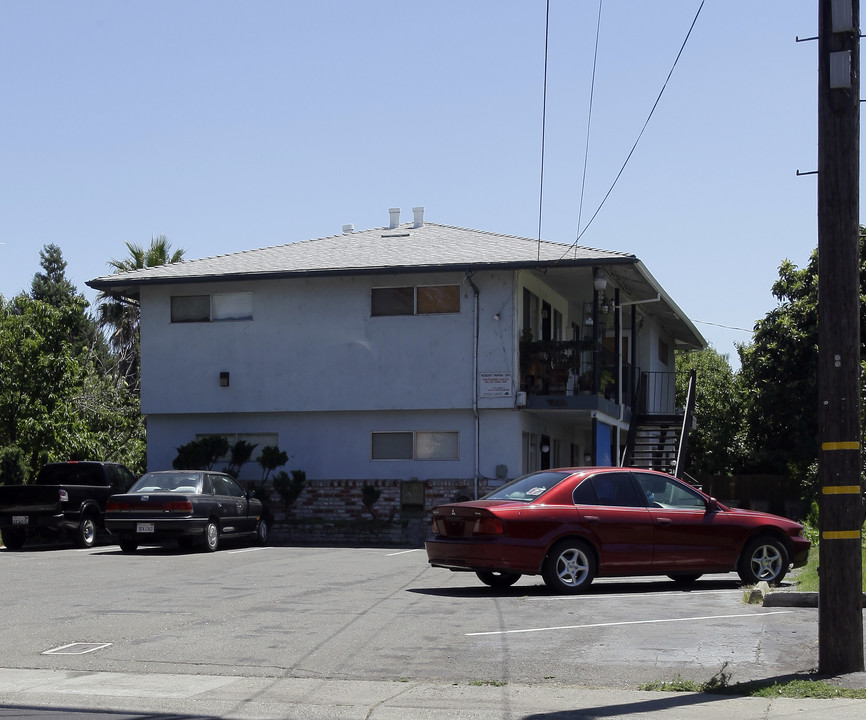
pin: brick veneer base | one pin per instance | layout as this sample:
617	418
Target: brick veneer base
333	512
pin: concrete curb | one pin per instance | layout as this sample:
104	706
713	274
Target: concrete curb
791	599
785	598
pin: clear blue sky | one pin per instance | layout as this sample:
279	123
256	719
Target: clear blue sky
232	125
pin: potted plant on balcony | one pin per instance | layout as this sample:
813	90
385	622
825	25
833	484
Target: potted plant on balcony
605	383
584	382
559	369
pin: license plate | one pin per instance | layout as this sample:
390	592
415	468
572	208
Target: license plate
144	527
20	520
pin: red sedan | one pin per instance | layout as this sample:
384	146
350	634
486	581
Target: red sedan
574	524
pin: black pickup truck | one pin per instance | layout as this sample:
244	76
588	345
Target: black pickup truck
67	497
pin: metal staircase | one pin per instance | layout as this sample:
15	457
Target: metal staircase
659	440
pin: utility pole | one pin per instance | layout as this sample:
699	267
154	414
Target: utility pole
840	614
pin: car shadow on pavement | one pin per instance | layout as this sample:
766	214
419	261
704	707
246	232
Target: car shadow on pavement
599	587
146	550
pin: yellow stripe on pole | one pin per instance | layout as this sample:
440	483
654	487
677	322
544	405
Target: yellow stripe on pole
841	535
840	445
841	490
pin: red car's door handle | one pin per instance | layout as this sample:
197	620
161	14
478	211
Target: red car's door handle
665	521
591	518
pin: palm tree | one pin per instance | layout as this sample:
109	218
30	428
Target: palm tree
120	316
159	253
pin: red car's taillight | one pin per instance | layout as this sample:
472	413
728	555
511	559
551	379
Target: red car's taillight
488	526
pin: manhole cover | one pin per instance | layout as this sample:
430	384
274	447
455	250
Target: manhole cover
76	649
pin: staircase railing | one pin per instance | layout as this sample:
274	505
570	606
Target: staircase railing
687	423
655	393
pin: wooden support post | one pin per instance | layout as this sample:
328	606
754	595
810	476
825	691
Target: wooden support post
840	618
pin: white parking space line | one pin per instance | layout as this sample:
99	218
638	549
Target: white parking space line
628	622
79	648
249	549
404	552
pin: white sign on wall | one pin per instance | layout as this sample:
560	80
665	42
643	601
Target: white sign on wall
495	384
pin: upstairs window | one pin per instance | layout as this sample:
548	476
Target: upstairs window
433	299
232	306
421	300
392	301
190	308
211	308
664	351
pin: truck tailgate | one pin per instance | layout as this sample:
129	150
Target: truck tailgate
29	499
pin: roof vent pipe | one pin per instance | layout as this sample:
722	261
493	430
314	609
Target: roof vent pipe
348	229
419	216
395	218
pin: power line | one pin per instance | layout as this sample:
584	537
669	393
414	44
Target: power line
589	120
646	123
543	125
726	327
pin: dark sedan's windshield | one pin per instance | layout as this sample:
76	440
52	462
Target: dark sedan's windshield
529	487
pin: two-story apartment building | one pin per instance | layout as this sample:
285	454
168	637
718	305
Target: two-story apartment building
414	351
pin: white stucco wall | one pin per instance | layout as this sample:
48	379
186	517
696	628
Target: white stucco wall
315	368
337	445
312	345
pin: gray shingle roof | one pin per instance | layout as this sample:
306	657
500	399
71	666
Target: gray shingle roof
404	248
407	249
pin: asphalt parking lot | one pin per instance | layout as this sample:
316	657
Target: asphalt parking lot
380	614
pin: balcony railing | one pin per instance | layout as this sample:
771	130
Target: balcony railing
552	367
657	393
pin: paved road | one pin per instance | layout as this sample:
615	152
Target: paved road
229	633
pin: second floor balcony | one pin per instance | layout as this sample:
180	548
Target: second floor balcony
574	368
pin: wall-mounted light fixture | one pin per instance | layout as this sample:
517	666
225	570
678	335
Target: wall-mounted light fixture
224	379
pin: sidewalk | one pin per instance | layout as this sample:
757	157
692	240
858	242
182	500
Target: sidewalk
244	698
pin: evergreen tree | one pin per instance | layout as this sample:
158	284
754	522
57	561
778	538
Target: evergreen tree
52	287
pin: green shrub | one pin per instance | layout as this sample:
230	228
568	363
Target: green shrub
289	487
13	470
201	454
370	494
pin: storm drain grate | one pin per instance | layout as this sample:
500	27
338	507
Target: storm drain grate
76	649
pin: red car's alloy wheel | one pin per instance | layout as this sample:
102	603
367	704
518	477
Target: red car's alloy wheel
569	567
